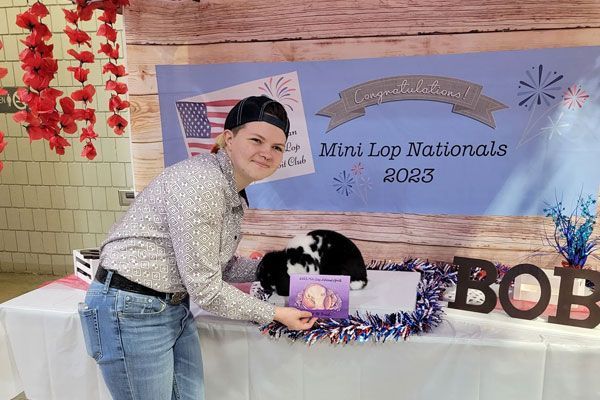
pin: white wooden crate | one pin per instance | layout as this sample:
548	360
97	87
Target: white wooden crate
85	263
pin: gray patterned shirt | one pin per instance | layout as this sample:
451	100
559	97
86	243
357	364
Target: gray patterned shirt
181	234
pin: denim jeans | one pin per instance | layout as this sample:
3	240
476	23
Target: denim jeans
146	348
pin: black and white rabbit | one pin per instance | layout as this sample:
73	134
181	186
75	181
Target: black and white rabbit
318	252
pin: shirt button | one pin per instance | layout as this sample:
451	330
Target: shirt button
235	237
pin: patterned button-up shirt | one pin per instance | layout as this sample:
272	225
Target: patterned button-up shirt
181	233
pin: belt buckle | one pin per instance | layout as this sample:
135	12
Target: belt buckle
177	298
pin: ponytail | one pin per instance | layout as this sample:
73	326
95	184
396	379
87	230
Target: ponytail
219	143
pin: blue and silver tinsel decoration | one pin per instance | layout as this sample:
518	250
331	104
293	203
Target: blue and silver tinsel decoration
435	278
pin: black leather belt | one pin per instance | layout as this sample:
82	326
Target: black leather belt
120	282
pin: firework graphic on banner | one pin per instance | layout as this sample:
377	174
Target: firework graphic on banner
539	87
575	96
363	182
344	183
280	90
555	127
540	93
353	182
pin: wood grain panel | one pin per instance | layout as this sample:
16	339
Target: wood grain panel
142	59
220	21
399	251
510	240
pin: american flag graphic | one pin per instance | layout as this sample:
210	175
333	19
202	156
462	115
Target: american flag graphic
202	122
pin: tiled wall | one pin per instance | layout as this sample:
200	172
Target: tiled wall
52	204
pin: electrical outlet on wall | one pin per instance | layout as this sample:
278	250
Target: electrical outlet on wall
126	197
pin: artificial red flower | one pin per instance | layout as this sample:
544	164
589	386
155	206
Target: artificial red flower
78	37
50	95
27	20
58	144
39	72
39	132
116	104
20	116
83	57
118	123
86	11
26	116
119	87
32	41
68	124
87	133
26	96
107	31
109	15
39	10
67	105
71	16
89	151
40	32
86	94
29	56
117	70
3	72
85	114
47	100
3	142
50	119
41	50
1	166
36	81
80	74
45	50
110	52
33	60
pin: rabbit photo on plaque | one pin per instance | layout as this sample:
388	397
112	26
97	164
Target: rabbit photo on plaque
323	252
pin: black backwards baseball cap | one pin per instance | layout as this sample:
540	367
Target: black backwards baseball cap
252	109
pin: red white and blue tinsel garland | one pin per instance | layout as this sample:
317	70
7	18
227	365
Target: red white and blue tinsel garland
435	278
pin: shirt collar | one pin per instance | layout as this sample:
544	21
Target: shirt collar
227	169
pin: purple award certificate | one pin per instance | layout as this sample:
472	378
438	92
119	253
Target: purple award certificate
325	296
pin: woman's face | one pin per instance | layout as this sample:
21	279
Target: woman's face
255	151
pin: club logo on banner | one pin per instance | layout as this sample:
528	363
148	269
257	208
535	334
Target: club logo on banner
202	118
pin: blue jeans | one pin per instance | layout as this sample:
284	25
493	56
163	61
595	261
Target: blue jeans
146	348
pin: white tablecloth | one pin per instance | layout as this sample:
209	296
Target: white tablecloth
471	356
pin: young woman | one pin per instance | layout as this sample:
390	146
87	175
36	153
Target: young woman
176	244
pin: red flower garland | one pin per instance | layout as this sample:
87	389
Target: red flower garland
41	117
111	49
3	73
82	12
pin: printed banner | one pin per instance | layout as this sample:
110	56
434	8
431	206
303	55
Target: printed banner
496	133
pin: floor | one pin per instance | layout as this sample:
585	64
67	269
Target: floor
13	285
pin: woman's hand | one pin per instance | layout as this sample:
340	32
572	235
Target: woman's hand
294	319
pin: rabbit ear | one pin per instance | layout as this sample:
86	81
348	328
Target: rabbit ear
264	276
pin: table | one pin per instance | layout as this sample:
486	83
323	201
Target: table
470	356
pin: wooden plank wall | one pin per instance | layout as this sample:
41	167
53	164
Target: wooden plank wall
225	31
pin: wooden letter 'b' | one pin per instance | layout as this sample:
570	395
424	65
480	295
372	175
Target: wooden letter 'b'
566	298
464	283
